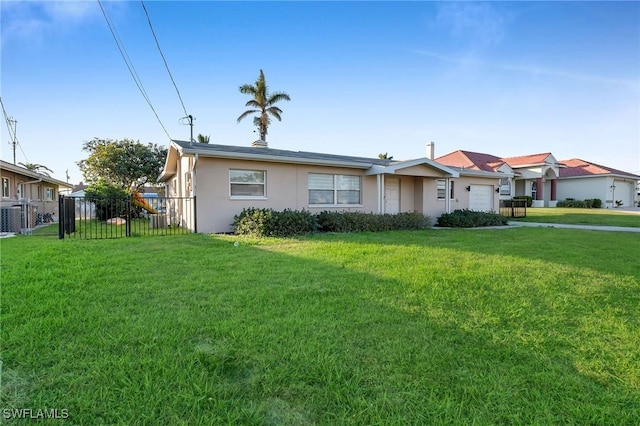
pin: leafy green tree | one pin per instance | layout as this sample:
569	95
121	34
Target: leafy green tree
263	104
109	200
38	168
125	163
203	139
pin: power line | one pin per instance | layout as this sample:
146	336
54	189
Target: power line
163	58
130	66
12	133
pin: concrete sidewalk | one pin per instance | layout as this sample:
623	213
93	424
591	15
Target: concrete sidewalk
591	227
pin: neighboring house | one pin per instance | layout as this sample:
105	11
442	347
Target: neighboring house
585	180
34	195
532	175
226	179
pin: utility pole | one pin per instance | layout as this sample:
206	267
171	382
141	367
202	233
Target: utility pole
190	123
14	137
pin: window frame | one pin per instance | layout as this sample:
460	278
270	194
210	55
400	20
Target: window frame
7	187
245	196
441	192
336	190
505	183
49	193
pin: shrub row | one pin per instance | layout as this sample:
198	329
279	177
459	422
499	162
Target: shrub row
363	222
589	203
470	219
272	223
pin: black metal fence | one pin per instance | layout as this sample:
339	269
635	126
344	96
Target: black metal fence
513	208
100	218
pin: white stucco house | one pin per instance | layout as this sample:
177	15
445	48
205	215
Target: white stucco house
581	179
225	179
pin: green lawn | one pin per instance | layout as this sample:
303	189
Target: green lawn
607	217
496	326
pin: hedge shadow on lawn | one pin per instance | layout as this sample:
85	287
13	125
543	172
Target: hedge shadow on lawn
300	347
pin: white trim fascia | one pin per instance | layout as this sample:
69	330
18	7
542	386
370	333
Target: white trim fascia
392	168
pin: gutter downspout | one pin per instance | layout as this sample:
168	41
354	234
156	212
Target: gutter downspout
193	192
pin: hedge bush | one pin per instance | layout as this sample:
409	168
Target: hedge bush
272	223
362	222
470	219
589	203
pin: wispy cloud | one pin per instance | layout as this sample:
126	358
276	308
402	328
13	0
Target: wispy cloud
530	69
481	23
35	20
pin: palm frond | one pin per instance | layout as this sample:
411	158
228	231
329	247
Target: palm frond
246	113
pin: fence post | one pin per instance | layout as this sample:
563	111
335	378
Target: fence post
128	218
61	217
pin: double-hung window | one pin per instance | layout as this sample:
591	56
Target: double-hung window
5	188
247	183
49	193
326	189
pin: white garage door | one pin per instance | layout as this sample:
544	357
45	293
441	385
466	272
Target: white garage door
481	198
623	192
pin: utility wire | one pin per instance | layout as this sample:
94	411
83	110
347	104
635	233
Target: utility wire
12	134
163	58
130	66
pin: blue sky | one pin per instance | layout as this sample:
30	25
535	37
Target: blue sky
364	77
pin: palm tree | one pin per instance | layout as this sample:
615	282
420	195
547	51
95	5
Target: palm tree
37	168
385	156
262	104
202	138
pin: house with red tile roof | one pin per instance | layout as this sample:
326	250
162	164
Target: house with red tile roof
581	179
548	180
532	175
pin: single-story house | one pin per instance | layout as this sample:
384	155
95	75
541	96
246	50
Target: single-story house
581	180
534	175
226	179
32	197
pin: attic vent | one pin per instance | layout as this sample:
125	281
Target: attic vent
259	144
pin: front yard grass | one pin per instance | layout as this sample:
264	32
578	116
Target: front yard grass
576	216
495	326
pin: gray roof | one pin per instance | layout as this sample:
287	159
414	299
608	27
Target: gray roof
26	172
272	154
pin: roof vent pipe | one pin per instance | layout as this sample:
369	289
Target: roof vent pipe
431	148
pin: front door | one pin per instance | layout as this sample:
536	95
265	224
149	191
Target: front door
392	195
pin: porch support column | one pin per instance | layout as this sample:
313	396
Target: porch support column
553	190
379	190
539	188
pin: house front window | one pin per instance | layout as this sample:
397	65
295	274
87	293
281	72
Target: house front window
326	189
505	186
5	188
48	194
247	183
442	189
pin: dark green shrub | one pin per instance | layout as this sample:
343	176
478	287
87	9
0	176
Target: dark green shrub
268	222
589	203
471	219
329	221
110	200
524	197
